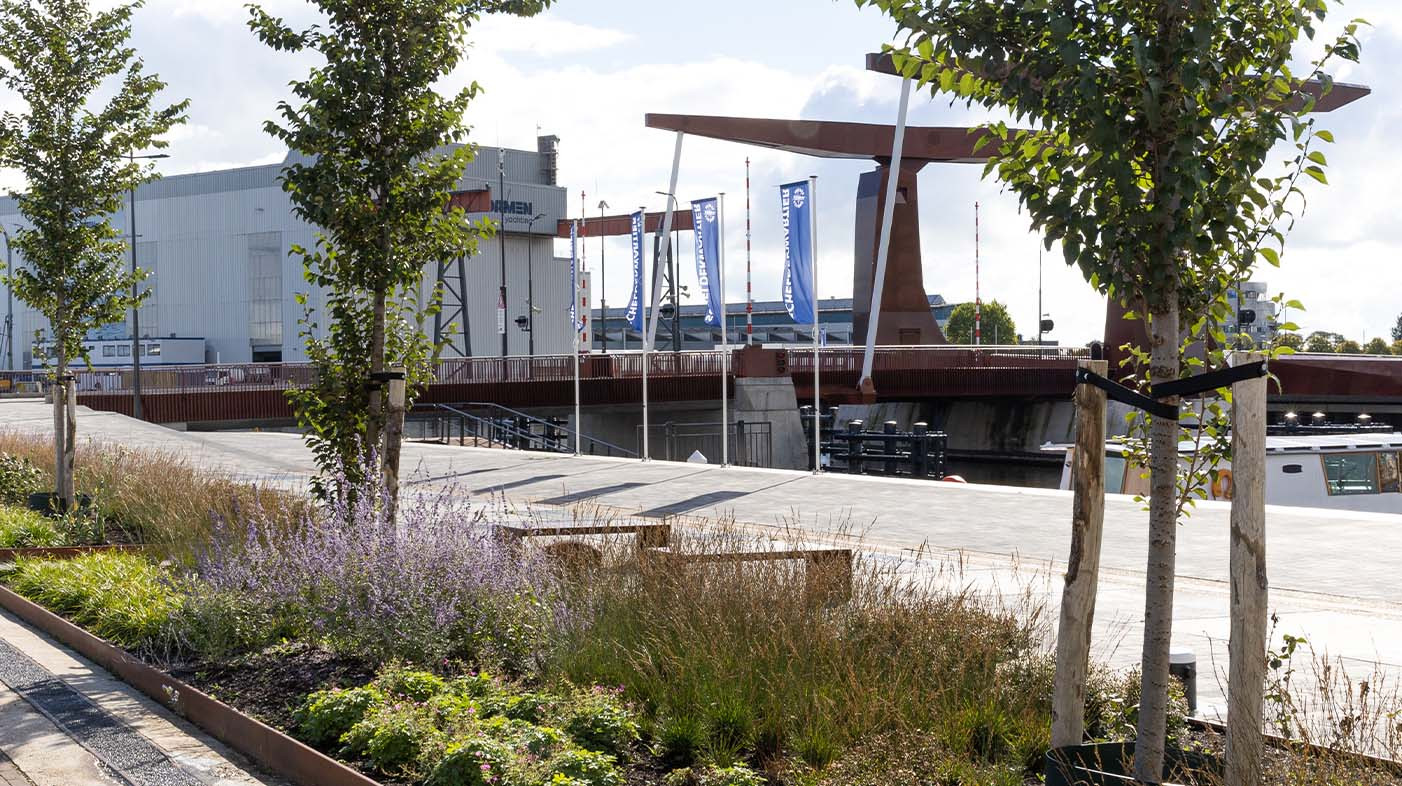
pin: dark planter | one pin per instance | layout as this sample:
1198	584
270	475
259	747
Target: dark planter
51	504
1112	764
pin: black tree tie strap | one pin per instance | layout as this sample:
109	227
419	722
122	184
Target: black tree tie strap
1125	395
1212	380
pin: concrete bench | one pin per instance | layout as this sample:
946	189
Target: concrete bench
828	572
650	536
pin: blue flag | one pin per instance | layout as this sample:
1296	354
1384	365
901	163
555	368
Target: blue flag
705	218
574	277
796	214
635	300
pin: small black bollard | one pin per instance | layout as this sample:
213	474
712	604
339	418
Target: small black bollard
1183	664
854	446
890	445
919	448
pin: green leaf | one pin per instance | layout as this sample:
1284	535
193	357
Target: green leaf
1317	173
1271	256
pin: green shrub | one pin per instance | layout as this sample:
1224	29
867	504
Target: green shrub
533	740
327	715
736	775
597	721
730	730
410	684
477	761
121	597
586	768
21	528
391	737
532	707
19	477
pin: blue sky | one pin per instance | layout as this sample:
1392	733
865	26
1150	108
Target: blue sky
588	70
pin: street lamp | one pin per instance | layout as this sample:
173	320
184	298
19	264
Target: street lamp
135	305
603	281
9	302
530	286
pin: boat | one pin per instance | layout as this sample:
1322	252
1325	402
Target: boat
1341	469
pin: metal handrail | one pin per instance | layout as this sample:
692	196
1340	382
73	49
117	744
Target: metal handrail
507	428
533	419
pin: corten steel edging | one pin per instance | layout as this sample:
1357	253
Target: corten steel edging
63	552
254	739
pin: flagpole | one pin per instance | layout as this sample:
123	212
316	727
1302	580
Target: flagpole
749	292
579	309
642	271
724	343
813	239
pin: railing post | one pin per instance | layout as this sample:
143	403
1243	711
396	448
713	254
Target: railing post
1083	565
918	448
889	443
854	446
1249	587
742	445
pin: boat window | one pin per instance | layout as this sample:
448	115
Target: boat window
1114	473
1351	473
1388	473
1292	469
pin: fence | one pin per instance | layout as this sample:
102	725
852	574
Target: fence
751	442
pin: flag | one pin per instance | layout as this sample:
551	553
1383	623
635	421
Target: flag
705	218
796	215
635	300
574	277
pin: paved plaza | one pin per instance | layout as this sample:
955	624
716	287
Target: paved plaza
1333	575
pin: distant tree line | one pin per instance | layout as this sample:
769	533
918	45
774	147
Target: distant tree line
1325	341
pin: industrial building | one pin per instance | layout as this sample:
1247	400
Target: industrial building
217	245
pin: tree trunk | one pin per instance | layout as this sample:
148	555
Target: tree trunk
375	422
1247	647
70	445
394	437
60	393
1083	566
1163	524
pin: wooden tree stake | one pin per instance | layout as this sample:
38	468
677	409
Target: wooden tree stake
1247	649
1083	568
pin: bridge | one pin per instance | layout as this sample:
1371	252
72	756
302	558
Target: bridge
256	392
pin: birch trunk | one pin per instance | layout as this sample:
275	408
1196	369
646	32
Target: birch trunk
1073	635
1247	648
1158	586
375	420
60	393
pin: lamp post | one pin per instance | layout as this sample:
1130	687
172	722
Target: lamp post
9	302
603	282
530	287
136	306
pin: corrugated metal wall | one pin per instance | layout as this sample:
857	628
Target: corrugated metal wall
199	227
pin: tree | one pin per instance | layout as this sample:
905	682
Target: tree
1377	346
377	183
1152	123
1397	347
1348	347
62	59
1322	341
997	325
1397	329
1289	339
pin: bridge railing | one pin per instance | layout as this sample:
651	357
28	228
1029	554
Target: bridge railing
908	358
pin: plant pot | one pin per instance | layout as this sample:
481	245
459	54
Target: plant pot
1112	764
51	504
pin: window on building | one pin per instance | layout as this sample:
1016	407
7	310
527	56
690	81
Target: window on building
153	349
265	256
109	351
123	351
1114	473
1351	473
1389	472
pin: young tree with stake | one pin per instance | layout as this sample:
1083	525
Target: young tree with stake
59	57
1151	125
377	183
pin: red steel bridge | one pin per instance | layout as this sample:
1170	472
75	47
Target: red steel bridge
256	391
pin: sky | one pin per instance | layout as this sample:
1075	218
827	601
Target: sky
589	70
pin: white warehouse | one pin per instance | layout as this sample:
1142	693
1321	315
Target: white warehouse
217	245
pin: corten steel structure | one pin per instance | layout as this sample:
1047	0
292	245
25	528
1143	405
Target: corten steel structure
1118	330
905	311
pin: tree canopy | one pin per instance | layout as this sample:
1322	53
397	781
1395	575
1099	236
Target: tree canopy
998	326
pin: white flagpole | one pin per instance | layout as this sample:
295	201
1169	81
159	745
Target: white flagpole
813	239
724	344
883	250
647	453
579	310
